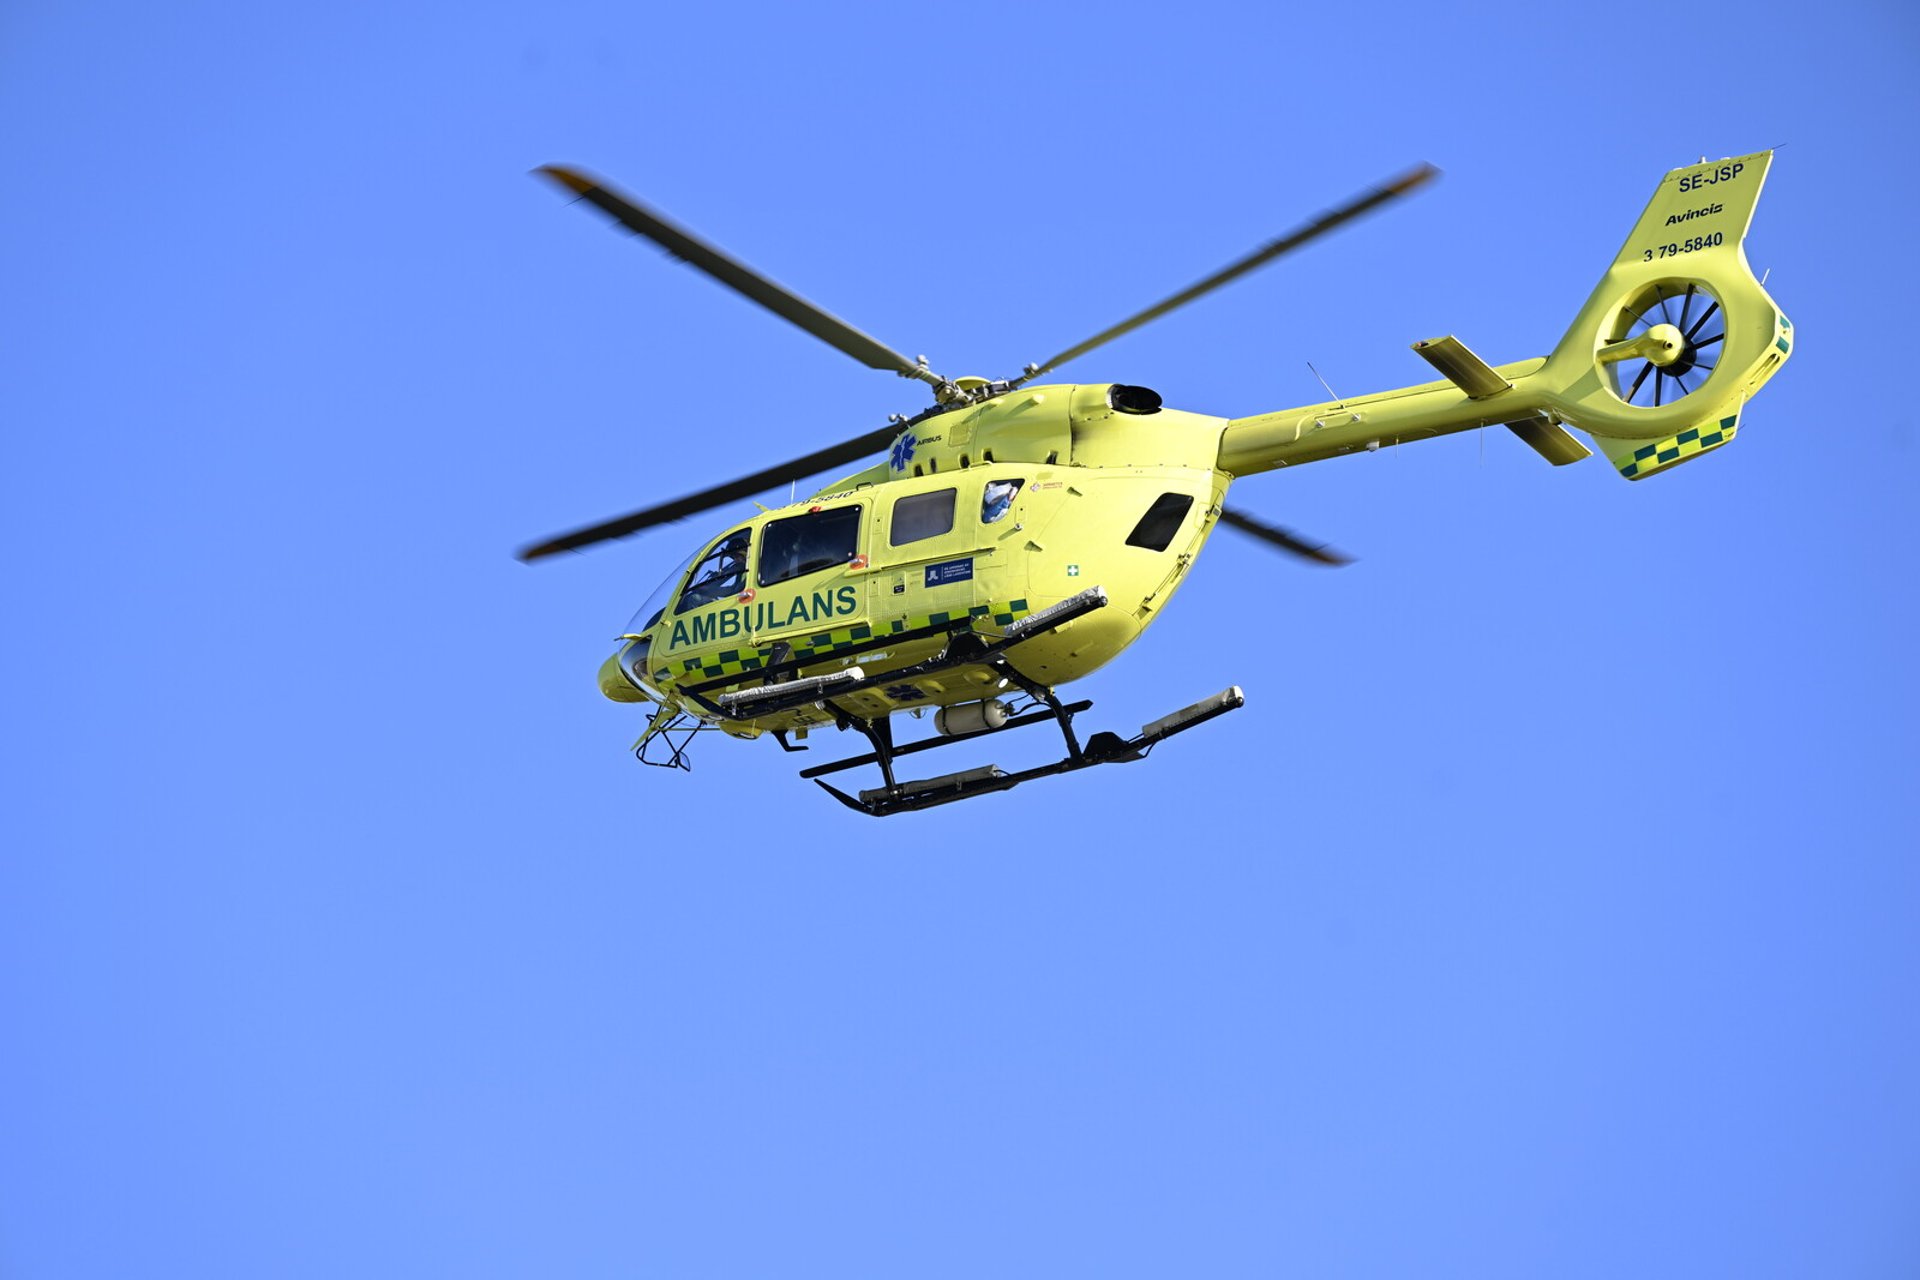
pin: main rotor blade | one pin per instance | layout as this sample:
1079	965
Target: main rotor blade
1285	539
736	275
744	487
1260	257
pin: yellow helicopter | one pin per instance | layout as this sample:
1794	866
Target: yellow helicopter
1019	535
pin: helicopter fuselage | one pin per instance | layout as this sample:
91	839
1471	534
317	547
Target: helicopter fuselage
988	513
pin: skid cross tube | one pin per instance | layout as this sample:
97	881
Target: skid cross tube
1062	715
941	740
880	734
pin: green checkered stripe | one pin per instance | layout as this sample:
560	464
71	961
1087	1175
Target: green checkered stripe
727	662
1003	615
1651	457
735	662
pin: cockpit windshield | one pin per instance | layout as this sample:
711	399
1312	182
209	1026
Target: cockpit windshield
656	606
721	572
718	571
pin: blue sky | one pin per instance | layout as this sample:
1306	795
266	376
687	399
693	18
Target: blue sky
1551	909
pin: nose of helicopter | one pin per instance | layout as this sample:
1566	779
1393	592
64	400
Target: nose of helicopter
614	683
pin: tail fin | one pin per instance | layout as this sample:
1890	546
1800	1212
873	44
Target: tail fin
1679	333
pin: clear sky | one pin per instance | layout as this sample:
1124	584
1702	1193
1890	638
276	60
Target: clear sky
1552	909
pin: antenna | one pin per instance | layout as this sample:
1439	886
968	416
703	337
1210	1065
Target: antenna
1323	382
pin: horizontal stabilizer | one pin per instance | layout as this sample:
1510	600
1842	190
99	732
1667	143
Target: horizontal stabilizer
1549	439
1459	365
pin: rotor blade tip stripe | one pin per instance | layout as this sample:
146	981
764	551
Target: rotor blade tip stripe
1424	173
567	178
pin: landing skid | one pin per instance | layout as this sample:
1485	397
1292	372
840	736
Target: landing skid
925	793
782	688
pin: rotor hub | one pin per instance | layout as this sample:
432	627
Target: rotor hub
1663	342
1665	345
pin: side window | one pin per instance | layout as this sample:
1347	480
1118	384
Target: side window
799	545
997	499
1162	521
721	572
922	515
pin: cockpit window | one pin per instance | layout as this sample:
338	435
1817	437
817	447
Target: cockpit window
799	545
655	607
721	572
997	499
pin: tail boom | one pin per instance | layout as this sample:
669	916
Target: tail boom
1647	321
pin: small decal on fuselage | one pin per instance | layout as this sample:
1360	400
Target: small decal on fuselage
949	571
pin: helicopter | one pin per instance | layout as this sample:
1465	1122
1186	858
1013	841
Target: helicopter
1017	534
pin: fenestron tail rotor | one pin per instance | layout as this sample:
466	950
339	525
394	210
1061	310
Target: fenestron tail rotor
1666	341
